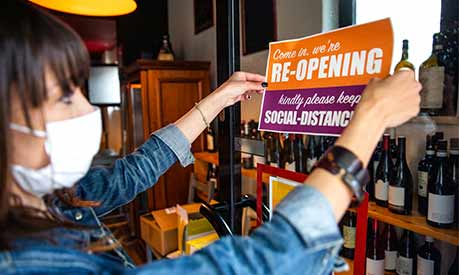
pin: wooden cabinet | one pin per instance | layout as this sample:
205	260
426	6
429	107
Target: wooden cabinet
167	91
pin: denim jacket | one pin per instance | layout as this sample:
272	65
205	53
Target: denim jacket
301	238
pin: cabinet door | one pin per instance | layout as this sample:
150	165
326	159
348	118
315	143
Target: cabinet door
171	94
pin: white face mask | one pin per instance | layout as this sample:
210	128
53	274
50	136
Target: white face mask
70	144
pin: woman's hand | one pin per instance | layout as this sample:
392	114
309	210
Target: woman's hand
239	87
396	98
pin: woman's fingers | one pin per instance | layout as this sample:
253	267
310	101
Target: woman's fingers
255	77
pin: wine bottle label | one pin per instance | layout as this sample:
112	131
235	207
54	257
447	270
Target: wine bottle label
290	166
441	208
390	260
397	196
213	181
425	267
381	190
310	163
258	159
273	164
375	267
349	237
210	142
404	266
432	87
422	183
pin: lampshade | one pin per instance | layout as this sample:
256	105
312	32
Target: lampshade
90	7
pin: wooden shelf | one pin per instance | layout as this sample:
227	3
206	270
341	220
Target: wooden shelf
213	159
415	222
442	120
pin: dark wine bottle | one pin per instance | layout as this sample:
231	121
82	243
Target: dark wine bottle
390	248
300	154
375	252
429	258
289	153
440	206
435	138
210	138
401	189
454	167
454	268
311	157
212	176
276	159
393	146
349	229
384	174
372	166
406	254
424	169
269	144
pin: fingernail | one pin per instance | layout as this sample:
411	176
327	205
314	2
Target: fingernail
264	84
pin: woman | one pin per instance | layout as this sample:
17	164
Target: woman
51	203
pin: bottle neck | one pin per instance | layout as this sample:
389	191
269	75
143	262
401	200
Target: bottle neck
401	150
386	143
404	54
437	48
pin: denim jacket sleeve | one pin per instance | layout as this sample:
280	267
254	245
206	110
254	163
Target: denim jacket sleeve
302	238
135	173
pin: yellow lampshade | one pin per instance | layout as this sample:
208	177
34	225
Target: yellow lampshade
90	7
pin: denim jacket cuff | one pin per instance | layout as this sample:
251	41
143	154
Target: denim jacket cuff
311	214
177	142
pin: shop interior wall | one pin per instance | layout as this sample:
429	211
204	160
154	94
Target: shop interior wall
295	18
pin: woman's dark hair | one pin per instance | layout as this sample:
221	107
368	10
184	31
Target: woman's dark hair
31	42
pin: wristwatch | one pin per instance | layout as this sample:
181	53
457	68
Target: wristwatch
340	161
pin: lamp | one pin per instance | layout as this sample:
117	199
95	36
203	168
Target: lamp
90	7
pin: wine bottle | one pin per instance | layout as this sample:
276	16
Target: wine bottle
454	268
431	76
372	166
375	252
429	258
311	157
435	138
289	153
210	138
246	130
212	178
454	168
300	154
276	159
165	52
393	146
401	189
406	254
268	142
424	169
440	197
390	248
384	174
404	63
322	147
349	229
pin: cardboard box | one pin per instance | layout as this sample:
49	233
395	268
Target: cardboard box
159	228
159	231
